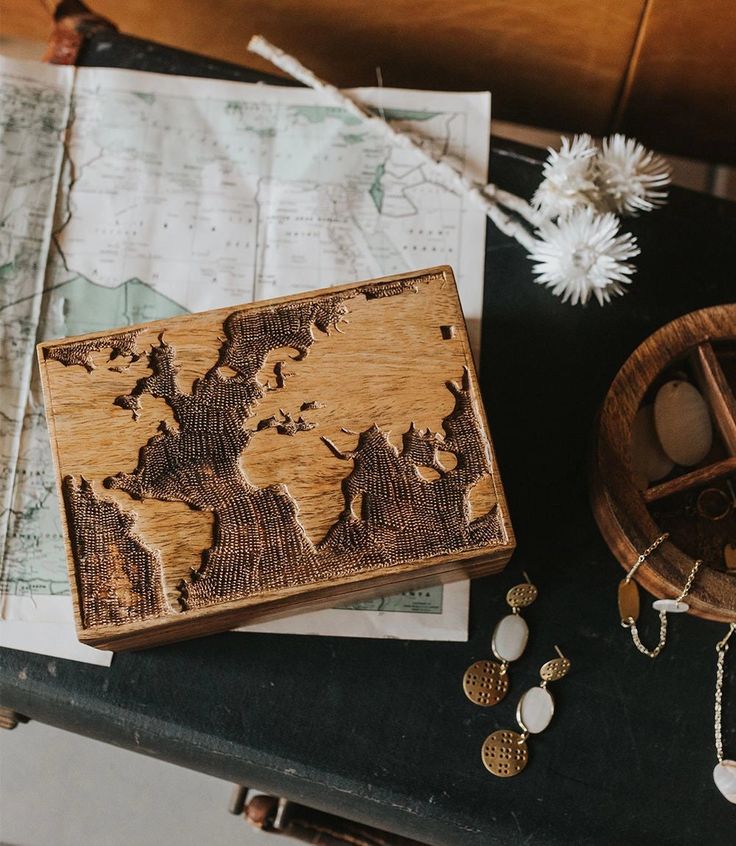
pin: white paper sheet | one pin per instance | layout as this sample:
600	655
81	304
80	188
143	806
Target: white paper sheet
55	639
415	615
186	194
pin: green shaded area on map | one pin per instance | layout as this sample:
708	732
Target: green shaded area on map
352	138
404	114
376	190
319	114
89	307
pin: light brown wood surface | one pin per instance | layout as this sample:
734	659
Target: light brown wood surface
623	512
389	368
660	69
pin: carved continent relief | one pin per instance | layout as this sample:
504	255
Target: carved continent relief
403	502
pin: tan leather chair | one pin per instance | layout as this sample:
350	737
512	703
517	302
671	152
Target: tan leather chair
662	70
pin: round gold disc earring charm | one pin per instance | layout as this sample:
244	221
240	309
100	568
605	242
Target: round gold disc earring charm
505	753
486	682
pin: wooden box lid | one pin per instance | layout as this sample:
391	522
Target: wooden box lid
222	467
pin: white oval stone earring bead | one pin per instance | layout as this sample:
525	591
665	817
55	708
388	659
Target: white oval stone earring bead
671	606
505	753
485	682
535	710
510	638
724	775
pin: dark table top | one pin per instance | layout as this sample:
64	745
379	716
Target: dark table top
380	731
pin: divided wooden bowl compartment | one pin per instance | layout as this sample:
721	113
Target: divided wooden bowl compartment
696	504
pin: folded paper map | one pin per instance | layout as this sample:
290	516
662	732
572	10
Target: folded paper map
129	196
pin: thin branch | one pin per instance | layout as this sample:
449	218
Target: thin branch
487	198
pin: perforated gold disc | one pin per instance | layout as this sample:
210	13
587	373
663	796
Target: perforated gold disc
484	683
522	595
555	669
504	753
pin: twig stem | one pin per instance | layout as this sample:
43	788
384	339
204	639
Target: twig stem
489	198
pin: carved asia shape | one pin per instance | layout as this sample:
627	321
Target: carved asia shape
259	544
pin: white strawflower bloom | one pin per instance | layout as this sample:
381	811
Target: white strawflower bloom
583	254
631	178
569	177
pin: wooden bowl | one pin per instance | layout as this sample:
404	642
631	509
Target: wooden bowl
700	347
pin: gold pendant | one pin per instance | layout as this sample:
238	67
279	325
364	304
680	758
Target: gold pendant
485	683
628	600
505	753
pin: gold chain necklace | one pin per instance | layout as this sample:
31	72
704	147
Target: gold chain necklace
724	773
629	602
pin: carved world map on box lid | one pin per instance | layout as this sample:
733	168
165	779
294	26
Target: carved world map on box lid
215	467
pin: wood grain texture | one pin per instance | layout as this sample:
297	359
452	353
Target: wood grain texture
558	63
694	479
623	513
266	463
715	387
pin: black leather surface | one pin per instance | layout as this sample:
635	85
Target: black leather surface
380	731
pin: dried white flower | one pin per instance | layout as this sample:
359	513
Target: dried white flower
583	254
569	177
631	178
622	177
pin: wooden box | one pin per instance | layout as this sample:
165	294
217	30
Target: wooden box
223	467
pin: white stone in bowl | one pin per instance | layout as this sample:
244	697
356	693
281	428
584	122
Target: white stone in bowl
535	710
671	606
510	637
647	456
724	775
683	423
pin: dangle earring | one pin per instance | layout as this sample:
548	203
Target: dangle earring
487	682
724	773
505	752
628	601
